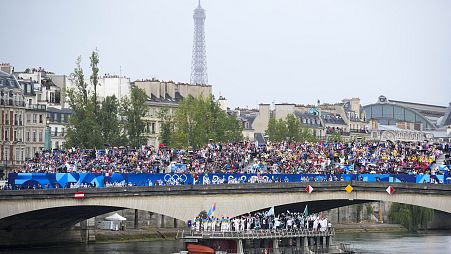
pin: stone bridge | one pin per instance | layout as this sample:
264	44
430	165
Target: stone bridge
57	208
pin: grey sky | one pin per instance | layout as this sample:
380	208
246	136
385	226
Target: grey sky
258	51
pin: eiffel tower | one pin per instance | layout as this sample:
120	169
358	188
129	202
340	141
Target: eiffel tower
199	61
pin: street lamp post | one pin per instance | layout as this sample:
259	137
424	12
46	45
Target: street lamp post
48	142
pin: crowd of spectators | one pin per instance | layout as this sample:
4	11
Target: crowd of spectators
248	157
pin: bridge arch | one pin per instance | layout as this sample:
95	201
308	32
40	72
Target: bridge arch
185	202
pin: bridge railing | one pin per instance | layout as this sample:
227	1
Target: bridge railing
90	180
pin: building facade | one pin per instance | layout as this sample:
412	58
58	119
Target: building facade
165	97
44	100
410	121
346	119
12	104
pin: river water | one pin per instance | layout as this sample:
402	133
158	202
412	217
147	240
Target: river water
430	243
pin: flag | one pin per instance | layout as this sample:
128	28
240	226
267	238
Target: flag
270	212
212	210
305	211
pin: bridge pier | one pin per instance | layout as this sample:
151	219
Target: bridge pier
136	219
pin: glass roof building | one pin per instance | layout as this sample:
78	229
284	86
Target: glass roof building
390	112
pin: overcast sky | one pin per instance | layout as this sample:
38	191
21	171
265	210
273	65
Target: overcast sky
258	51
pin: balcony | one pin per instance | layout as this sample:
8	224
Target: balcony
39	107
363	131
12	103
58	134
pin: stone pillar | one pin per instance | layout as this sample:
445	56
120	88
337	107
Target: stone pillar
162	218
239	247
136	219
275	246
84	231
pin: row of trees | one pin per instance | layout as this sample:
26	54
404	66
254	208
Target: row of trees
289	129
198	121
110	121
410	216
118	123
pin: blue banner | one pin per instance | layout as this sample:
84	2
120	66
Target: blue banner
75	180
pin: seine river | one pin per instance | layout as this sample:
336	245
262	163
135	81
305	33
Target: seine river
398	243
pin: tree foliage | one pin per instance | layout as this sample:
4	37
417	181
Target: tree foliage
166	126
83	127
198	120
110	128
94	124
410	216
133	110
289	129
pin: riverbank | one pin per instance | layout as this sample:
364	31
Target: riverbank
368	227
135	235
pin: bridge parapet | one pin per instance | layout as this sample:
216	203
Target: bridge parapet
358	186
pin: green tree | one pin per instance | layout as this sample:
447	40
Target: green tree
199	120
293	128
110	128
411	217
94	58
166	126
133	109
83	126
335	137
290	130
272	131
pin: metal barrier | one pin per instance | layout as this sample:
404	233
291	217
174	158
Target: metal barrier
253	234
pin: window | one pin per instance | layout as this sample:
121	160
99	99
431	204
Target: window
6	135
62	132
376	111
28	118
17	155
28	136
35	118
56	131
34	136
40	118
410	116
62	118
387	111
40	136
57	144
153	128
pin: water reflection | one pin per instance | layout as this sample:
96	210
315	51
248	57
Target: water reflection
398	243
430	243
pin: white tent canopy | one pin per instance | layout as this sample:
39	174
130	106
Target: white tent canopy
115	217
